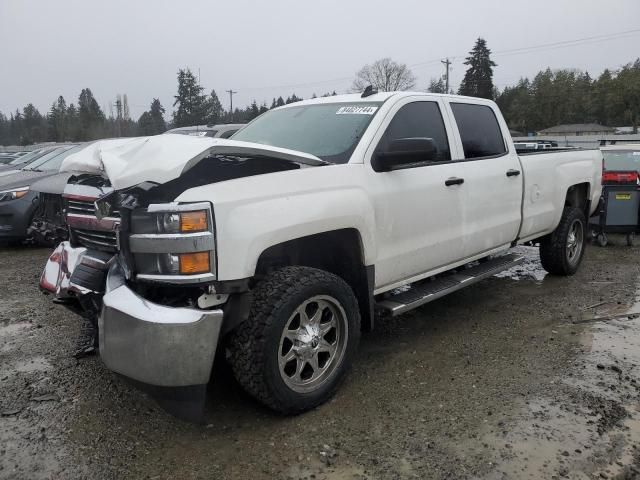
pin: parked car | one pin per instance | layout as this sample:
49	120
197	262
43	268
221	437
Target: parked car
17	201
22	161
281	243
215	131
6	158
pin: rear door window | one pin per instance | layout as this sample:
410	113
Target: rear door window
479	130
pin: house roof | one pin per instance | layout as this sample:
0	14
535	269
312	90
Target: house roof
577	127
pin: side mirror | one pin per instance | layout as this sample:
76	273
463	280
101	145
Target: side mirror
403	152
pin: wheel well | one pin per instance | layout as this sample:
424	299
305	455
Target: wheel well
578	196
339	252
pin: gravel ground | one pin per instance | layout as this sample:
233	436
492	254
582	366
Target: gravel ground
521	376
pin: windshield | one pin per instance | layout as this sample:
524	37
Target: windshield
328	131
52	160
622	160
30	157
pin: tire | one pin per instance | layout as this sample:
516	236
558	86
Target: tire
562	250
289	377
631	239
602	239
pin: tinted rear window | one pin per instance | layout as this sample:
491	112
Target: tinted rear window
479	130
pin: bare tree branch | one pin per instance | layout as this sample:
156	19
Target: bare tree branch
385	75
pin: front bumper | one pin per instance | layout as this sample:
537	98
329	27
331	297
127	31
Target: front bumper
147	342
154	344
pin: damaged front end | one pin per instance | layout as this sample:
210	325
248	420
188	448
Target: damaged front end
141	276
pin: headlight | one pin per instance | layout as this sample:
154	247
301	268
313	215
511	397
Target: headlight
13	194
146	222
174	243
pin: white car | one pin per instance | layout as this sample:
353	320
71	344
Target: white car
284	242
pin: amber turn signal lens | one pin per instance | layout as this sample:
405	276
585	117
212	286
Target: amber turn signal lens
193	263
21	193
194	221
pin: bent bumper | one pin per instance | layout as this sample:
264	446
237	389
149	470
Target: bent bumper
150	343
154	344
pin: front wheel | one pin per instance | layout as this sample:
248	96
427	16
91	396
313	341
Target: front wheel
299	340
561	251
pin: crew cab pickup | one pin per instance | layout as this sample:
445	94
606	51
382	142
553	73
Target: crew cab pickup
281	244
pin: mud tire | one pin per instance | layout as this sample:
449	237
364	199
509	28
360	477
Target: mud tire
254	346
554	247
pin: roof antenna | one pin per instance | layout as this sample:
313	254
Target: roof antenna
369	91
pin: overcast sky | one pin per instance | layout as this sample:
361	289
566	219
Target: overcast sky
264	49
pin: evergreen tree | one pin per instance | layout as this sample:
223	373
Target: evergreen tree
252	111
152	122
478	79
279	102
57	121
91	119
436	86
35	128
192	104
74	129
628	86
5	138
215	112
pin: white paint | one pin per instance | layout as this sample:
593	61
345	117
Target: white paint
410	224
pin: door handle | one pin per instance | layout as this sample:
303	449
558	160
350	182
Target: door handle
453	181
513	173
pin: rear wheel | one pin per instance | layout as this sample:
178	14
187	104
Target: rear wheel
561	251
299	340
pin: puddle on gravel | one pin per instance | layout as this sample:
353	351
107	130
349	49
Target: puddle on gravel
33	364
12	329
588	426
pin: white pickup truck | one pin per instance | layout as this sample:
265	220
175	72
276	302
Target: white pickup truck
282	243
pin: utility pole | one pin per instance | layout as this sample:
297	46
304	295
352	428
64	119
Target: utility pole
231	92
446	63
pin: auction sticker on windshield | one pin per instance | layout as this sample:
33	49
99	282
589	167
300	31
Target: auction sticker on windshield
356	110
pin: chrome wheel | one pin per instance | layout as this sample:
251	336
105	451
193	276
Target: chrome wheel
575	241
313	343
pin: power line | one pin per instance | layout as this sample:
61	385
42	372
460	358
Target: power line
511	51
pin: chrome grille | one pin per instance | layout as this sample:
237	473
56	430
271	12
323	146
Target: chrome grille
86	207
97	239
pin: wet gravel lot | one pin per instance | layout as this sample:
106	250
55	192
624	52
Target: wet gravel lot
521	376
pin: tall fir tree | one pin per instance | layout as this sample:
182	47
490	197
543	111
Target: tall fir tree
215	112
152	122
478	79
91	119
57	121
192	104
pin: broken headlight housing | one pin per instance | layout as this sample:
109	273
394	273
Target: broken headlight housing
13	194
174	243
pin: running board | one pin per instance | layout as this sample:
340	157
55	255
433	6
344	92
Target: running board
418	295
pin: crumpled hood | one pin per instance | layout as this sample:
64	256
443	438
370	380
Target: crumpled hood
161	158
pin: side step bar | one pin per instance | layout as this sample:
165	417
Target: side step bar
425	292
